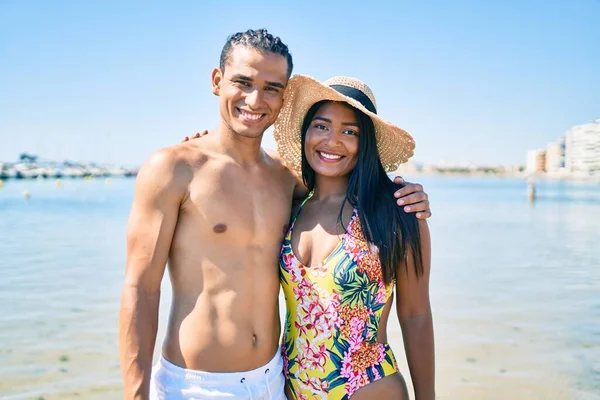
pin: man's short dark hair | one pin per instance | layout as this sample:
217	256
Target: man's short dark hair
260	40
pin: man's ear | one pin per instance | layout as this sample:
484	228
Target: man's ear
217	76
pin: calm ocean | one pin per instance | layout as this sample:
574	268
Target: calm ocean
515	288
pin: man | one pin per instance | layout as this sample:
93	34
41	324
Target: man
217	212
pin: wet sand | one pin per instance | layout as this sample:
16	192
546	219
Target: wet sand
470	365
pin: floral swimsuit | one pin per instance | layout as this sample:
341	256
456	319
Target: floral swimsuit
329	344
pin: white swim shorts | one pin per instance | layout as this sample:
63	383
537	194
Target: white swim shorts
170	382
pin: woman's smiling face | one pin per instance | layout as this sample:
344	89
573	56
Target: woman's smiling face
331	143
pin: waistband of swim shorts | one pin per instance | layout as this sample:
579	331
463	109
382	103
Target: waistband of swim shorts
272	369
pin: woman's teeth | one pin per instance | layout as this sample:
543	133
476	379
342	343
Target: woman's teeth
329	156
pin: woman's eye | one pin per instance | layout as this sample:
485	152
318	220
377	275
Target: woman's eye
320	126
350	132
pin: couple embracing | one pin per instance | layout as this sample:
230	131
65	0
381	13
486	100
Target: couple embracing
319	217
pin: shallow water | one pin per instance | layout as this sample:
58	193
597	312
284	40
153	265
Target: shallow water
515	288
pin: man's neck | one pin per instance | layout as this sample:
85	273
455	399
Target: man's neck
243	150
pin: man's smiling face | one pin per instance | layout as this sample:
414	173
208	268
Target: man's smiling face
251	90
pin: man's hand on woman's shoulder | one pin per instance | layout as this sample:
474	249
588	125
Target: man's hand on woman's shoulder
195	136
413	198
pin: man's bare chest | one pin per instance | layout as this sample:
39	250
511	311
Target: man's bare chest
248	212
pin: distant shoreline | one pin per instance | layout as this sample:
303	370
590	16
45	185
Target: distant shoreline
517	175
84	176
67	170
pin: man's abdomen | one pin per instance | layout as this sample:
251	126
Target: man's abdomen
227	326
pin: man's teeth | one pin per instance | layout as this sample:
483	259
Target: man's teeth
330	156
253	117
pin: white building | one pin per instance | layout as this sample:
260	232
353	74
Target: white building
582	149
555	156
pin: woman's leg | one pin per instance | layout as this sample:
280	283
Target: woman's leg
392	387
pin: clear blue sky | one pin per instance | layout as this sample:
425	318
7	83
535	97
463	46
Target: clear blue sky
473	81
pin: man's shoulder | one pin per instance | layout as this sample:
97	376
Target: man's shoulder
275	160
290	175
179	156
173	164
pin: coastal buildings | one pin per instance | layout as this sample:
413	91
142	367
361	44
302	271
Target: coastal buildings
555	157
582	149
575	154
536	161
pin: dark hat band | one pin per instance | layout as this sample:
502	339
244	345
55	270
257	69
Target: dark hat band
356	95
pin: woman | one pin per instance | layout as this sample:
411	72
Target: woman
348	245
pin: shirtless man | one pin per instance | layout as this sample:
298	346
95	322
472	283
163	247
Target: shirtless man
217	212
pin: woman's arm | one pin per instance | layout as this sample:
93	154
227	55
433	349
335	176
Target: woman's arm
414	314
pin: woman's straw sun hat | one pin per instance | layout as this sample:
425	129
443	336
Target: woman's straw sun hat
395	145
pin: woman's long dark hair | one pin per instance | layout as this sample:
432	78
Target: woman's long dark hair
371	192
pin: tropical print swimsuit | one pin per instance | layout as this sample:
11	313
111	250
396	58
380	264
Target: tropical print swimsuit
329	344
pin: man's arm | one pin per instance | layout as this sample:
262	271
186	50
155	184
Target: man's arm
159	191
411	196
414	313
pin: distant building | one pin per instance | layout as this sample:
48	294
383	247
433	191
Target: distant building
536	161
582	149
555	156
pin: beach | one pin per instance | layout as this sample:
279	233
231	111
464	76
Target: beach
515	288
